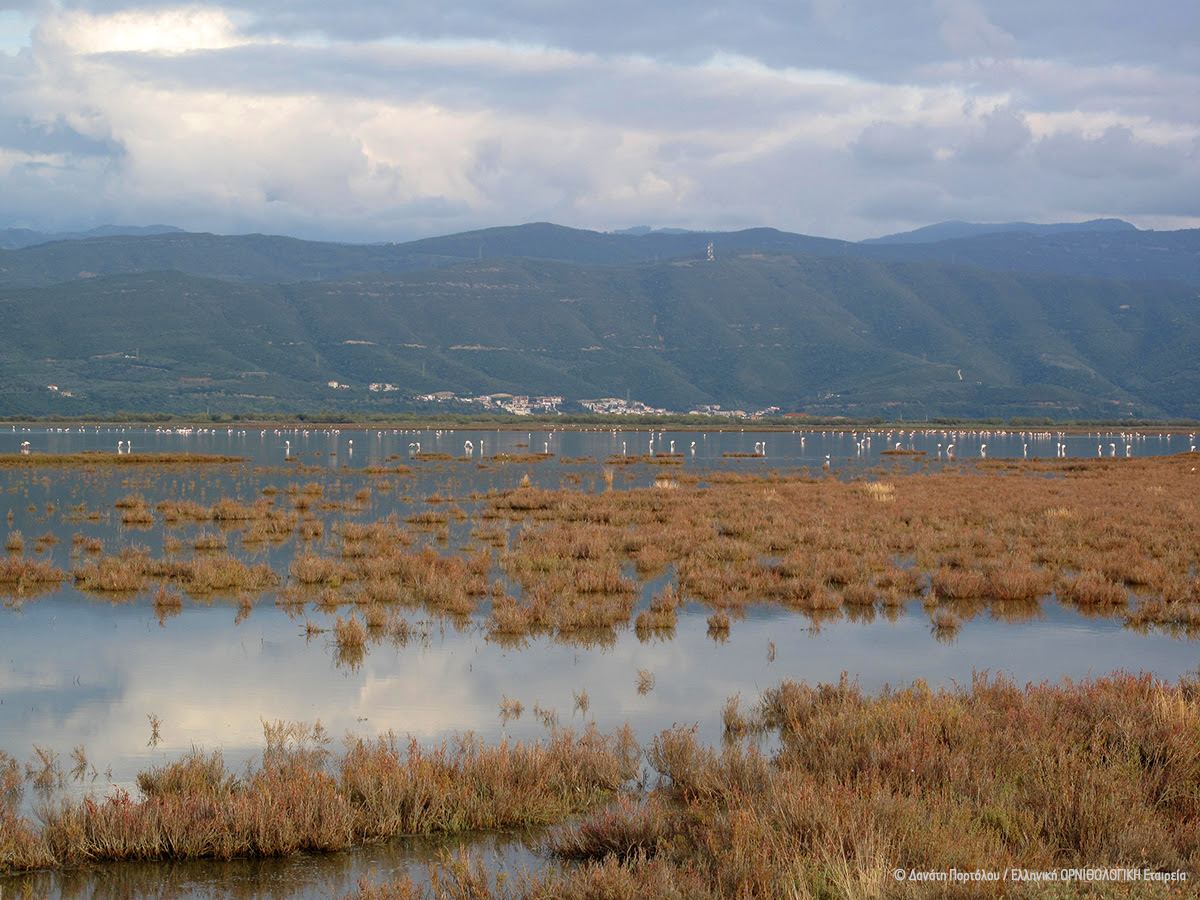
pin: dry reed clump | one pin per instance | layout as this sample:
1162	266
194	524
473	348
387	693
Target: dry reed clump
405	789
309	568
662	616
718	624
209	541
15	543
1075	776
23	577
958	584
300	799
127	571
510	708
350	633
813	545
1172	615
21	847
629	831
133	568
135	511
736	724
175	511
166	600
11	780
1092	588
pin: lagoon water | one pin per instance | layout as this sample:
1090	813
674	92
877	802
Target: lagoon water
359	447
81	670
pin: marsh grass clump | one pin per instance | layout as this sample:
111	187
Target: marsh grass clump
166	600
208	541
127	571
662	615
510	708
350	632
718	625
23	577
135	511
1174	616
861	786
15	543
629	831
300	798
945	622
43	768
405	789
1092	588
582	701
736	724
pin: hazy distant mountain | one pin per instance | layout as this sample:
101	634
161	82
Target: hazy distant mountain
1119	254
818	334
946	231
1070	323
1122	254
16	238
276	260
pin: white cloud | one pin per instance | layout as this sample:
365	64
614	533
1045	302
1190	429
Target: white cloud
288	119
167	31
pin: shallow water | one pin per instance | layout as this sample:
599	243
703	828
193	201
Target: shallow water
80	671
337	448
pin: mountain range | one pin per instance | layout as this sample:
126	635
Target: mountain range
1061	322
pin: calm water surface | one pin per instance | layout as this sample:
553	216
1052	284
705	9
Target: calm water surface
80	671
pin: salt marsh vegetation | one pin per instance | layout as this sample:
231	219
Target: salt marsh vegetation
626	554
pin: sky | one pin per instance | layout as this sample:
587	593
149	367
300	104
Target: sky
386	121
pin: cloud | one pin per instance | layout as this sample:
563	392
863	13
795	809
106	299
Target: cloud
967	31
382	121
1116	152
892	144
999	135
